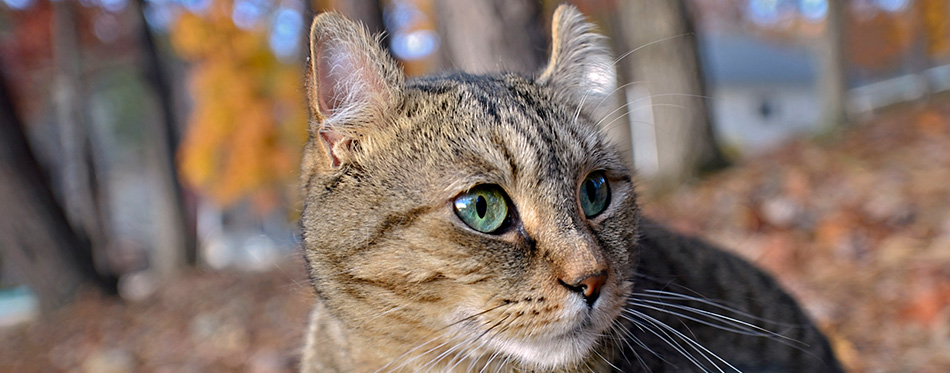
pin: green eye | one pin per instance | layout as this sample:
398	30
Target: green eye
484	208
594	194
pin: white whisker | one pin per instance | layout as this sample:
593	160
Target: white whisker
695	345
741	327
616	60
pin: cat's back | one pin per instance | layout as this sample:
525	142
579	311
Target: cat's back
734	312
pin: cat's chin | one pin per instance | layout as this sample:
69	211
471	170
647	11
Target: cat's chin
550	353
565	346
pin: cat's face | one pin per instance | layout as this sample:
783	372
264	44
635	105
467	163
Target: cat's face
466	215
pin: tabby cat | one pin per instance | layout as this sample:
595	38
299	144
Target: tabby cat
483	223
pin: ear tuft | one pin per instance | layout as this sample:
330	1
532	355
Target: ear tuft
352	84
581	66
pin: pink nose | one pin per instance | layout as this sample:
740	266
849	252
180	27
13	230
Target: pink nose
588	286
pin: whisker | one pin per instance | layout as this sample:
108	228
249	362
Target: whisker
617	89
621	107
467	318
488	363
503	364
606	361
443	332
629	103
420	355
654	96
629	336
741	326
665	338
495	354
471	365
295	285
384	313
687	339
616	60
610	125
441	356
661	294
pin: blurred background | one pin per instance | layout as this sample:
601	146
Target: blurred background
149	148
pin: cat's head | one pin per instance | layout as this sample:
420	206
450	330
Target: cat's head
470	215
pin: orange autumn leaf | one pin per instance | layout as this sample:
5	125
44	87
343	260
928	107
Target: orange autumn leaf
931	123
928	304
935	25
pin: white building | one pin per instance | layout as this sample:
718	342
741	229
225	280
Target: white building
760	94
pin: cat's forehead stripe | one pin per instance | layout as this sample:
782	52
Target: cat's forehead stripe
533	129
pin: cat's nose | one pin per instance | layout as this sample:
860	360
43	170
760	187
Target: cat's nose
588	286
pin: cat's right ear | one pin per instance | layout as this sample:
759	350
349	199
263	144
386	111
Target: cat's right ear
352	84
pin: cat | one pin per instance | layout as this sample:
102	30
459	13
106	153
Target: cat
483	223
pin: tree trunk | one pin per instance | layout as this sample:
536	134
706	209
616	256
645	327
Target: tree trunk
176	247
75	176
77	182
36	238
664	62
491	35
833	81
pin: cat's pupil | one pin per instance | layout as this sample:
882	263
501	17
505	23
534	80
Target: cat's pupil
591	191
481	207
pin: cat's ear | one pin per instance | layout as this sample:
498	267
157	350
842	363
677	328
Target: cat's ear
352	84
581	66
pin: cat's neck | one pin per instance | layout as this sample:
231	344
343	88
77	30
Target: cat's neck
334	346
331	347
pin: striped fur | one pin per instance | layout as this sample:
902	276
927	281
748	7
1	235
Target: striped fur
403	285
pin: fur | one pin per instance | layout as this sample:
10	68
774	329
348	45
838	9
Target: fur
403	284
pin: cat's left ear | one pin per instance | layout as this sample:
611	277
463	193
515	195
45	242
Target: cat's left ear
352	85
581	66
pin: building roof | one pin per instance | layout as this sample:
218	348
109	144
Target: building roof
734	59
